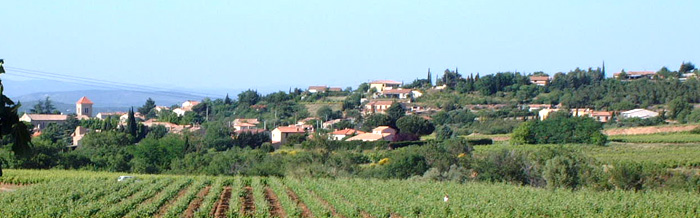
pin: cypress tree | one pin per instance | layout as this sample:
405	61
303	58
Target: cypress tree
131	126
430	77
227	100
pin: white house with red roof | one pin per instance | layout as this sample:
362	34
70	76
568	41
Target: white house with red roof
280	134
245	124
540	80
384	133
186	106
341	134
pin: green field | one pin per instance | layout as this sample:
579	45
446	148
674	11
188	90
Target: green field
57	193
680	137
665	154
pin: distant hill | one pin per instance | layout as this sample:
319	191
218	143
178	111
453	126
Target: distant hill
104	100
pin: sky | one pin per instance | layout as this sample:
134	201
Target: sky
275	45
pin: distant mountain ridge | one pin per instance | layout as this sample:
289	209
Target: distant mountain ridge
104	100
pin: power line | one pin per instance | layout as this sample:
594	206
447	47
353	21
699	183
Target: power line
121	84
101	83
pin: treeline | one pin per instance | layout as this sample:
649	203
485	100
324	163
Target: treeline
577	89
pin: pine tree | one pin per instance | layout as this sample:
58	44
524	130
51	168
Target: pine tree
10	124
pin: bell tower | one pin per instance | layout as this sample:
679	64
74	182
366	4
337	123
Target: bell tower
83	107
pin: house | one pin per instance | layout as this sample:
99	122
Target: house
398	93
639	113
581	112
104	115
335	89
242	124
186	106
636	75
258	107
330	123
376	107
83	108
317	89
544	113
158	109
384	133
602	116
280	134
381	85
171	127
341	134
41	121
125	117
304	121
540	80
534	107
78	135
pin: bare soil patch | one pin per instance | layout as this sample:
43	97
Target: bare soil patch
275	206
305	212
248	202
5	187
221	207
196	202
649	130
164	208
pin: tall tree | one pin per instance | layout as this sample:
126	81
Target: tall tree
49	108
147	108
228	101
394	112
686	67
131	126
38	108
430	77
10	124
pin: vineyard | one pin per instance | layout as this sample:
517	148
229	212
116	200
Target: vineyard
57	193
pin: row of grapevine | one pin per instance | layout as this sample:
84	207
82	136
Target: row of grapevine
100	195
146	210
286	202
180	205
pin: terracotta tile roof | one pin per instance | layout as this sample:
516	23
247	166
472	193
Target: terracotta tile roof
258	106
335	89
254	131
368	137
381	128
381	103
48	117
84	100
639	73
347	132
385	82
250	121
397	91
602	113
290	129
244	124
323	88
539	78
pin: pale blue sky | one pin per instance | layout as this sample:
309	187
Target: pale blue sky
278	44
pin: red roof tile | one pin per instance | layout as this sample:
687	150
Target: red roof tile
84	100
385	82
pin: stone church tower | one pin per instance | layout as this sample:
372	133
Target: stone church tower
83	108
